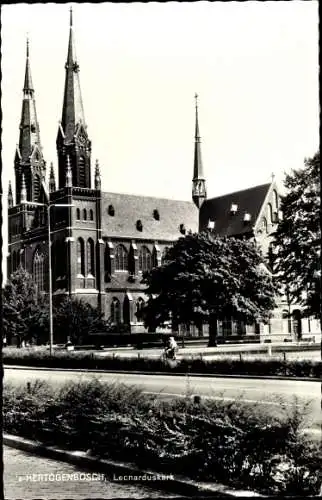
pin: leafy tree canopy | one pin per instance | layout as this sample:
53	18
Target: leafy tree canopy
205	278
298	237
22	306
75	319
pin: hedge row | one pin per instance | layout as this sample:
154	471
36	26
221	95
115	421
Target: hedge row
256	367
232	443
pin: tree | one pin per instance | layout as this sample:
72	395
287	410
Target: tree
22	308
75	319
298	238
206	278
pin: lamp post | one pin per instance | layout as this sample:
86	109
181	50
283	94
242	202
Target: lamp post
50	283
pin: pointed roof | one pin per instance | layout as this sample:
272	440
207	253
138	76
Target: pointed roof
197	166
73	112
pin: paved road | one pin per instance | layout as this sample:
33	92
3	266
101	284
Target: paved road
28	476
270	394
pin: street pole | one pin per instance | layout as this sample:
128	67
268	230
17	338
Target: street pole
50	291
50	283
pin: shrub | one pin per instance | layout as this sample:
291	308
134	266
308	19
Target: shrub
205	440
256	367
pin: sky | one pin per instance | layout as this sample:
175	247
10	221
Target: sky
253	64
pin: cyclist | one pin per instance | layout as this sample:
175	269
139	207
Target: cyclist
171	349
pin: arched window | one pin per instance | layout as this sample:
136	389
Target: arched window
77	213
107	263
126	311
36	186
270	212
91	215
38	270
82	180
121	258
115	311
84	214
22	257
80	257
139	308
90	257
264	224
275	200
145	259
131	262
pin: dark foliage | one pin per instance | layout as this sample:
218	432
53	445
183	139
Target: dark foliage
207	440
206	278
297	251
62	359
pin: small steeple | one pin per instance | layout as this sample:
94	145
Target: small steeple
69	175
199	193
10	196
52	182
23	194
97	176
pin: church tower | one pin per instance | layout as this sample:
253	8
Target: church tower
29	161
72	138
199	193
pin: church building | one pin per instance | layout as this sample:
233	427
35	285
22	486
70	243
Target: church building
102	242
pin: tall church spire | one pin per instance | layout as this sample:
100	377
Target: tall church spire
199	193
29	158
72	138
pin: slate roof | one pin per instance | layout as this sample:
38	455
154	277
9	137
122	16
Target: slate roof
128	209
218	209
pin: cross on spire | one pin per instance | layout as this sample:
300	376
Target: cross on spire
71	16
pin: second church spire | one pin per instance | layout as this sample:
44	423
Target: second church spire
199	193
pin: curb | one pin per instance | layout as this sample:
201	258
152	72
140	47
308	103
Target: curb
168	374
177	485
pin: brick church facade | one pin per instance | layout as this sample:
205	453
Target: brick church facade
102	242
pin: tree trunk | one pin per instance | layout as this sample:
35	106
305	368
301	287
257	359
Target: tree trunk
213	331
